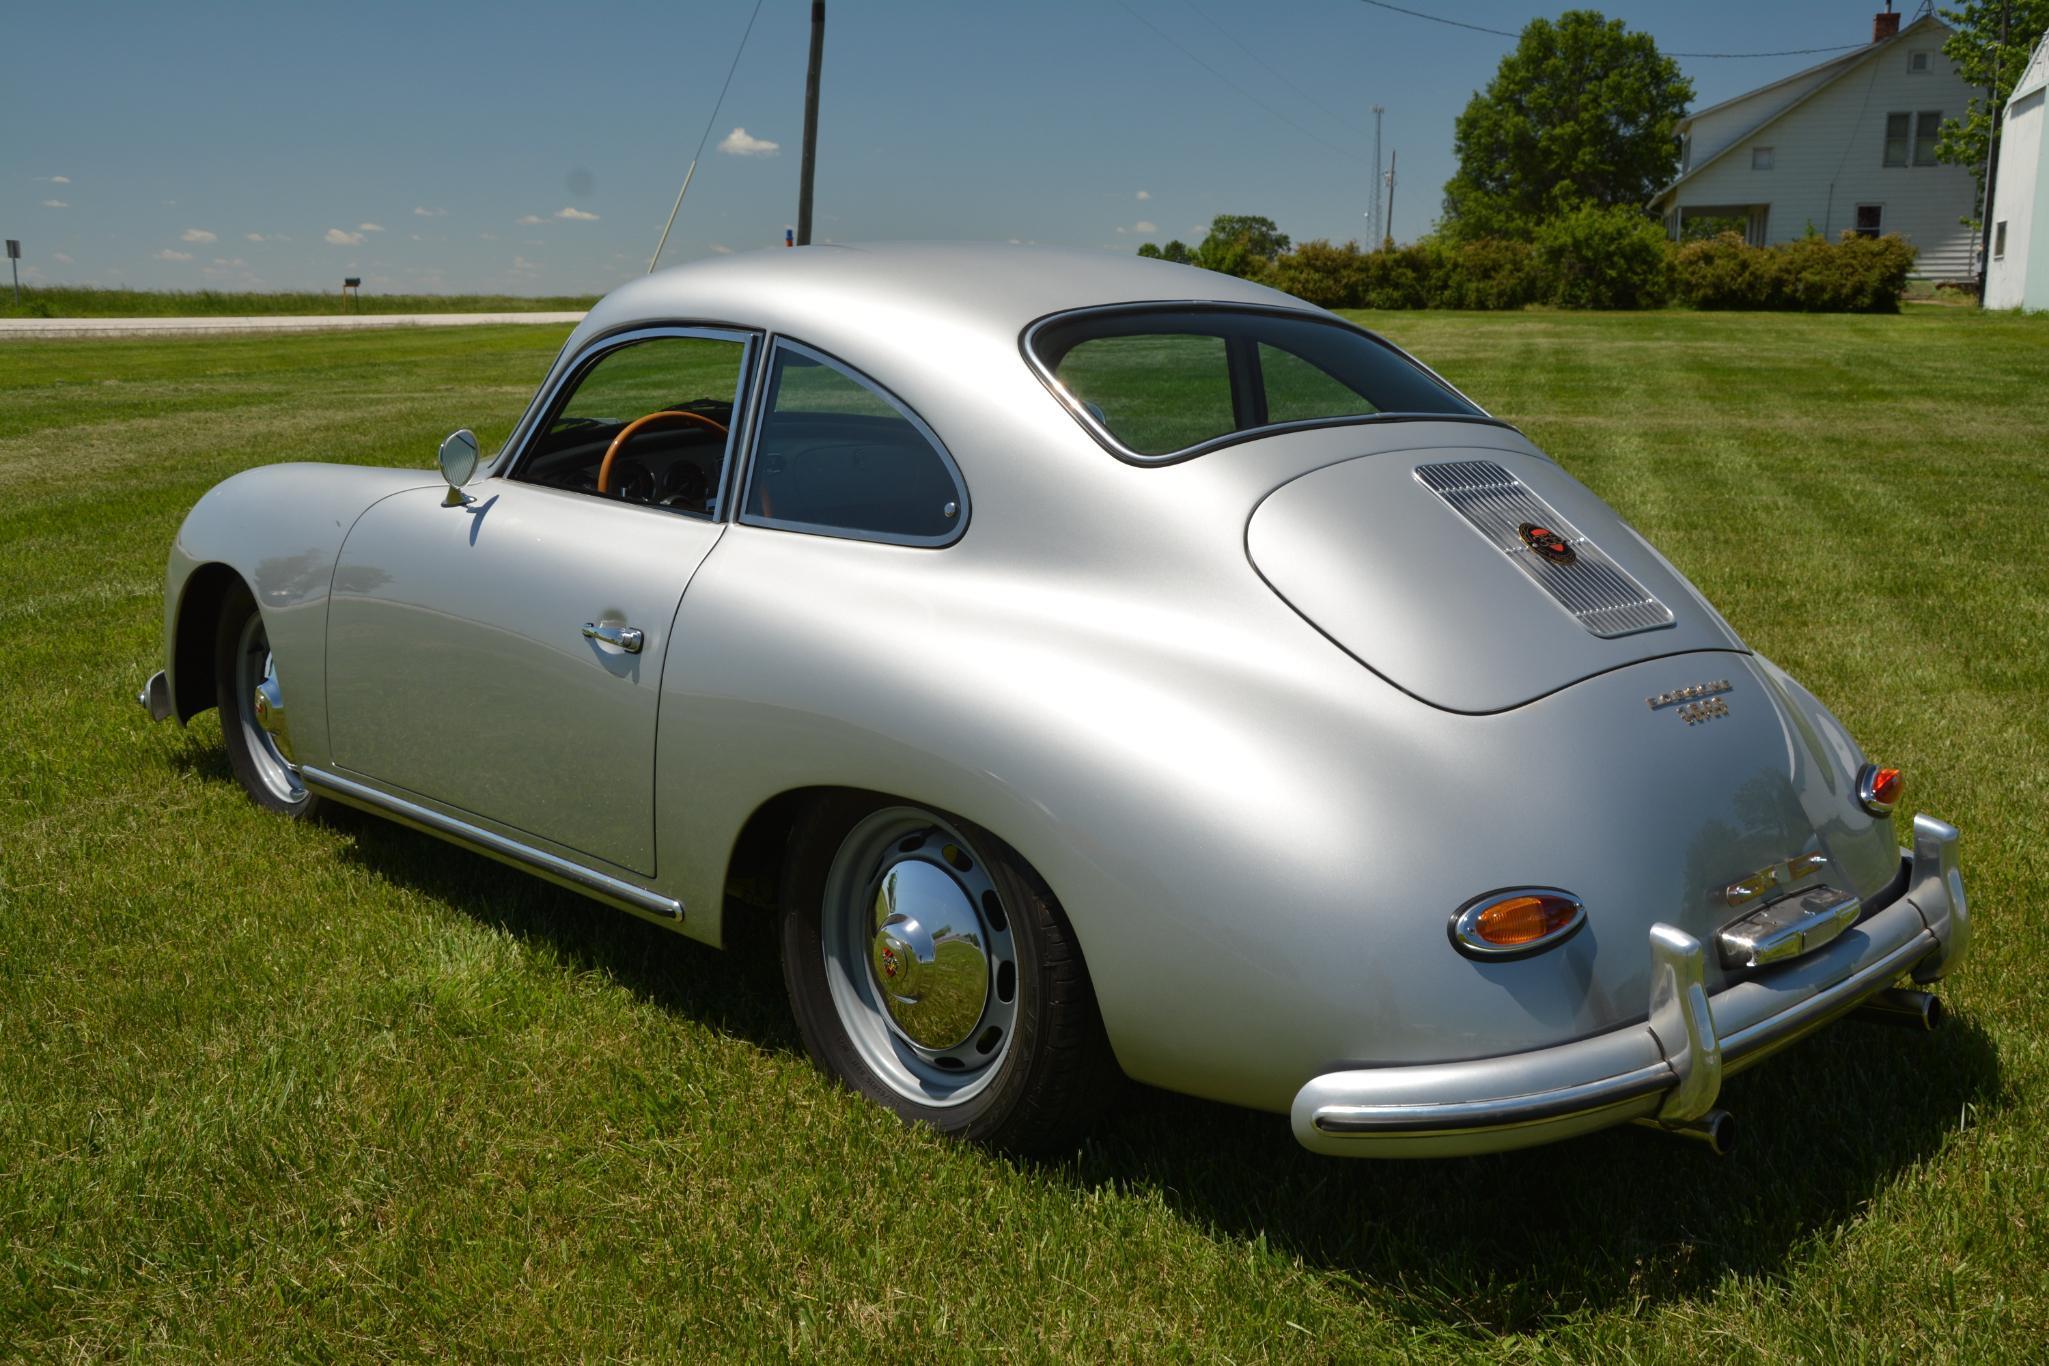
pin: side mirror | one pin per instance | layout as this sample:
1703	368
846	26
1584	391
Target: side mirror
458	465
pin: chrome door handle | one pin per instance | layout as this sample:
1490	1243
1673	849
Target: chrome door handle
627	638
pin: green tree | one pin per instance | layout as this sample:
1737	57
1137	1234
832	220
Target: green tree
1240	244
1986	63
1582	111
1175	250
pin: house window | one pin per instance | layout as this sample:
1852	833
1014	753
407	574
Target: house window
1917	63
1896	139
1999	241
1927	125
1760	158
1869	217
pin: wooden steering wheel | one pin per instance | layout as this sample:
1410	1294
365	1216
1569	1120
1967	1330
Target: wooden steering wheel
627	432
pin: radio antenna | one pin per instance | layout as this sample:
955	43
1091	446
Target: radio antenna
709	124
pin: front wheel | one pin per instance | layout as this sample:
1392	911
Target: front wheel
252	706
931	970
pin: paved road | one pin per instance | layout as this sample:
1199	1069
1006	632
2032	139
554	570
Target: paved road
50	328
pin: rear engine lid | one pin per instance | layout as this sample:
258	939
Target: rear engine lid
1474	579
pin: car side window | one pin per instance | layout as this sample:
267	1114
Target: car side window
649	422
838	455
1159	392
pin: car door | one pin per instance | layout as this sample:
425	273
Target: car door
503	656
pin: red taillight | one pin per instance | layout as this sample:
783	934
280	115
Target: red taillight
1512	923
1879	789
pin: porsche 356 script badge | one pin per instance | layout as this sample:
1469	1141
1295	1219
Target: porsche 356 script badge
1697	702
1547	543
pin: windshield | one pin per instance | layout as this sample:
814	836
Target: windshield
1164	380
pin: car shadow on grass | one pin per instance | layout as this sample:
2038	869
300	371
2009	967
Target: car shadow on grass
1627	1218
1502	1243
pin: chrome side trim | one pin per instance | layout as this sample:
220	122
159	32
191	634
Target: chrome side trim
155	697
602	886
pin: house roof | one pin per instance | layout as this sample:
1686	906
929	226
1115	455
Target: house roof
1845	65
2035	76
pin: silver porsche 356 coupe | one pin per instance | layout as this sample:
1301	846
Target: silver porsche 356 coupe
1094	664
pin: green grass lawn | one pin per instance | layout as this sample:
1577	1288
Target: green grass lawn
342	1090
87	301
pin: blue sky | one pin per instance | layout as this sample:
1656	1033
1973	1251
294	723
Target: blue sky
460	146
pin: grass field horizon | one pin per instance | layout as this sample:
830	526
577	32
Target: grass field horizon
92	301
271	1090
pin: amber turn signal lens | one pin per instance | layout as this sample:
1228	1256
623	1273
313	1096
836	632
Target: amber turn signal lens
1524	919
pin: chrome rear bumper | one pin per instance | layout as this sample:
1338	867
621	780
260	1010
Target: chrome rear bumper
155	697
1670	1066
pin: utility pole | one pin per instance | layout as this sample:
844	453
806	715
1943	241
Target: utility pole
1374	216
1992	153
1388	236
810	123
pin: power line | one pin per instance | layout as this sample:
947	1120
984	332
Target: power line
1175	43
1335	117
1703	56
708	125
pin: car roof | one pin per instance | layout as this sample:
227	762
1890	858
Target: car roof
830	292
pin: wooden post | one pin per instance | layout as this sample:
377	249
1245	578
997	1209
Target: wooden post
810	123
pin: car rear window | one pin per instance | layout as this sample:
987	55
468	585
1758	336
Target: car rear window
1161	382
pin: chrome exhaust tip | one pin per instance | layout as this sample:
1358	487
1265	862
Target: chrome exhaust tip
1917	1010
1716	1129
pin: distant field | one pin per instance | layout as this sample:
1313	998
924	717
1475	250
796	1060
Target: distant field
80	302
304	1092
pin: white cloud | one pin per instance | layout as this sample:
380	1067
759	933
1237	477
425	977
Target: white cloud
54	179
197	235
61	259
55	204
337	238
487	236
369	227
1121	230
235	261
527	220
720	249
255	237
429	213
168	255
1145	194
741	143
522	266
575	215
1144	228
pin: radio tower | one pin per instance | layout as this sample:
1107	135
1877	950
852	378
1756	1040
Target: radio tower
1374	245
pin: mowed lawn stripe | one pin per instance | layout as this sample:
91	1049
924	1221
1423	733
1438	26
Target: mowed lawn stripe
270	1090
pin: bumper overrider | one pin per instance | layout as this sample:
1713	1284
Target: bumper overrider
1668	1069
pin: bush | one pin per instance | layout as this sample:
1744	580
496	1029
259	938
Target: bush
1490	273
1326	275
1856	275
1594	257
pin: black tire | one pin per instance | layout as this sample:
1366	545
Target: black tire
260	763
1050	1077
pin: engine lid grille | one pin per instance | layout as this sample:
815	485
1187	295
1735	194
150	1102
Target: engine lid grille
1595	591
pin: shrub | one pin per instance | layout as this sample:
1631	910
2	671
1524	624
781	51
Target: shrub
1490	272
1594	257
1856	275
1326	275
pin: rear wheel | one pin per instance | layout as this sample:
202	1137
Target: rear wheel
252	708
931	970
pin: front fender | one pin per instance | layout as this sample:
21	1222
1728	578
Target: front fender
279	529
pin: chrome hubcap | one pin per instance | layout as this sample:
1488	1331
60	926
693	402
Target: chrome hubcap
263	714
919	957
927	955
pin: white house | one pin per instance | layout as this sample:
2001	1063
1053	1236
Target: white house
2017	276
1848	145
